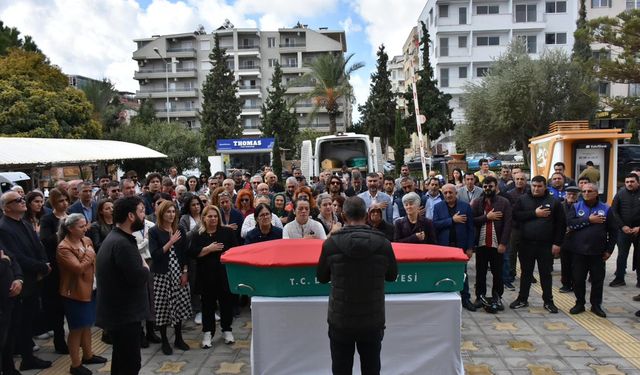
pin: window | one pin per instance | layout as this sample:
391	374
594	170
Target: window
443	11
462	41
462	72
481	72
444	77
531	41
272	62
634	89
601	55
487	9
205	45
603	88
462	12
600	3
633	4
488	40
526	13
555	38
271	42
556	7
444	46
431	16
291	62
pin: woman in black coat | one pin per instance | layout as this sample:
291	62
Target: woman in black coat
414	228
374	219
101	227
207	245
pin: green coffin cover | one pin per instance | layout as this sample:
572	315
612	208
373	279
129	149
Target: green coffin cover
287	268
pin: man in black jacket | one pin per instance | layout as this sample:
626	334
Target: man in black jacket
22	243
593	237
626	215
357	260
122	275
10	287
542	228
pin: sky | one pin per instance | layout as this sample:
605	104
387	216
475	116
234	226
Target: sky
94	38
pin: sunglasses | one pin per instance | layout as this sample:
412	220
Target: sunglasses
17	200
588	191
335	183
244	200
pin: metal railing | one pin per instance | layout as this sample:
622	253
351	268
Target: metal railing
249	87
248	46
248	66
292	45
181	50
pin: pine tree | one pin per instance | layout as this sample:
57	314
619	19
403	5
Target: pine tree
401	141
146	114
581	47
219	116
434	104
277	119
277	157
377	114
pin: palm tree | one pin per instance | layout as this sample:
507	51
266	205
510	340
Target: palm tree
330	76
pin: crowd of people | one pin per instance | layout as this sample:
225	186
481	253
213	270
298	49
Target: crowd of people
140	257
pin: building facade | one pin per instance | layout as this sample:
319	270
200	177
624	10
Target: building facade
251	55
467	36
396	76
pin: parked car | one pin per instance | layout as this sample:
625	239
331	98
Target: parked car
389	166
628	160
473	160
438	162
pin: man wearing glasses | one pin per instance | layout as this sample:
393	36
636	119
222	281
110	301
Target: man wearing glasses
408	185
23	244
592	241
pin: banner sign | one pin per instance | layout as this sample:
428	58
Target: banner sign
244	144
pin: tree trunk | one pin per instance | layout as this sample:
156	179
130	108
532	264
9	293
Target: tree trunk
332	123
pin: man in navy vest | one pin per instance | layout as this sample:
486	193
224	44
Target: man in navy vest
592	242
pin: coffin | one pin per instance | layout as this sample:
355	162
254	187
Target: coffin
287	268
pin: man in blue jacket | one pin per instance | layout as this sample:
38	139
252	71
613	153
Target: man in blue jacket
593	238
453	221
85	204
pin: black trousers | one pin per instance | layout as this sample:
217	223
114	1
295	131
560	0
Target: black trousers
488	257
514	249
530	253
6	340
23	319
126	359
566	268
343	344
226	302
582	265
53	310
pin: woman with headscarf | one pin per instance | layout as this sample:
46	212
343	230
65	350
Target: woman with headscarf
278	204
77	263
168	245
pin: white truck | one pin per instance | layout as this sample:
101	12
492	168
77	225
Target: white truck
332	152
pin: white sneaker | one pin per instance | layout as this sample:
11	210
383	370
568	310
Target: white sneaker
36	347
217	317
198	319
43	336
228	337
206	340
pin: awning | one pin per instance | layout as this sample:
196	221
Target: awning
29	152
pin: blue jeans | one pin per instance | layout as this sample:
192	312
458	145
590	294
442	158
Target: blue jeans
624	244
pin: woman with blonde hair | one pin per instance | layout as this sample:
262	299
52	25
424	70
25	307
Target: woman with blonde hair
207	244
77	263
172	300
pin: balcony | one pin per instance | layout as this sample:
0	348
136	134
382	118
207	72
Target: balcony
249	90
181	52
177	112
251	109
292	46
152	73
249	69
175	92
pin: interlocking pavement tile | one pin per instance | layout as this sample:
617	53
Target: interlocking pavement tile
537	310
468	346
556	326
505	326
229	368
579	346
521	345
606	370
193	343
541	370
616	310
171	367
106	368
248	325
241	344
480	369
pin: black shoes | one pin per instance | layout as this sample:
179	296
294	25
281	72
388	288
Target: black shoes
106	338
34	363
166	348
638	313
597	309
551	307
152	337
80	370
533	280
180	344
517	304
566	289
94	360
509	286
481	301
468	305
617	282
499	304
577	309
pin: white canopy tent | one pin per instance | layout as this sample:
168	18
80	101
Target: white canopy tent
19	153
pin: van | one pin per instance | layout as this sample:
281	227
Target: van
332	152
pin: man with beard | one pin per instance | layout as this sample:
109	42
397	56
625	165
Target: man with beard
291	184
389	186
122	274
556	188
335	187
374	198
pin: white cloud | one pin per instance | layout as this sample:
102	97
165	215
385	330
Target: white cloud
350	27
360	82
388	27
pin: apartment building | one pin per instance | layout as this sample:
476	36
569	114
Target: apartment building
611	8
396	76
251	55
466	36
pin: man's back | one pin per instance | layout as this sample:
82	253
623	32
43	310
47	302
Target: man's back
357	261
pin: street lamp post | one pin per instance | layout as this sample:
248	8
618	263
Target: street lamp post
166	77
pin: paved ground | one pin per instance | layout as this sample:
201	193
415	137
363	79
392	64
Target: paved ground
528	341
